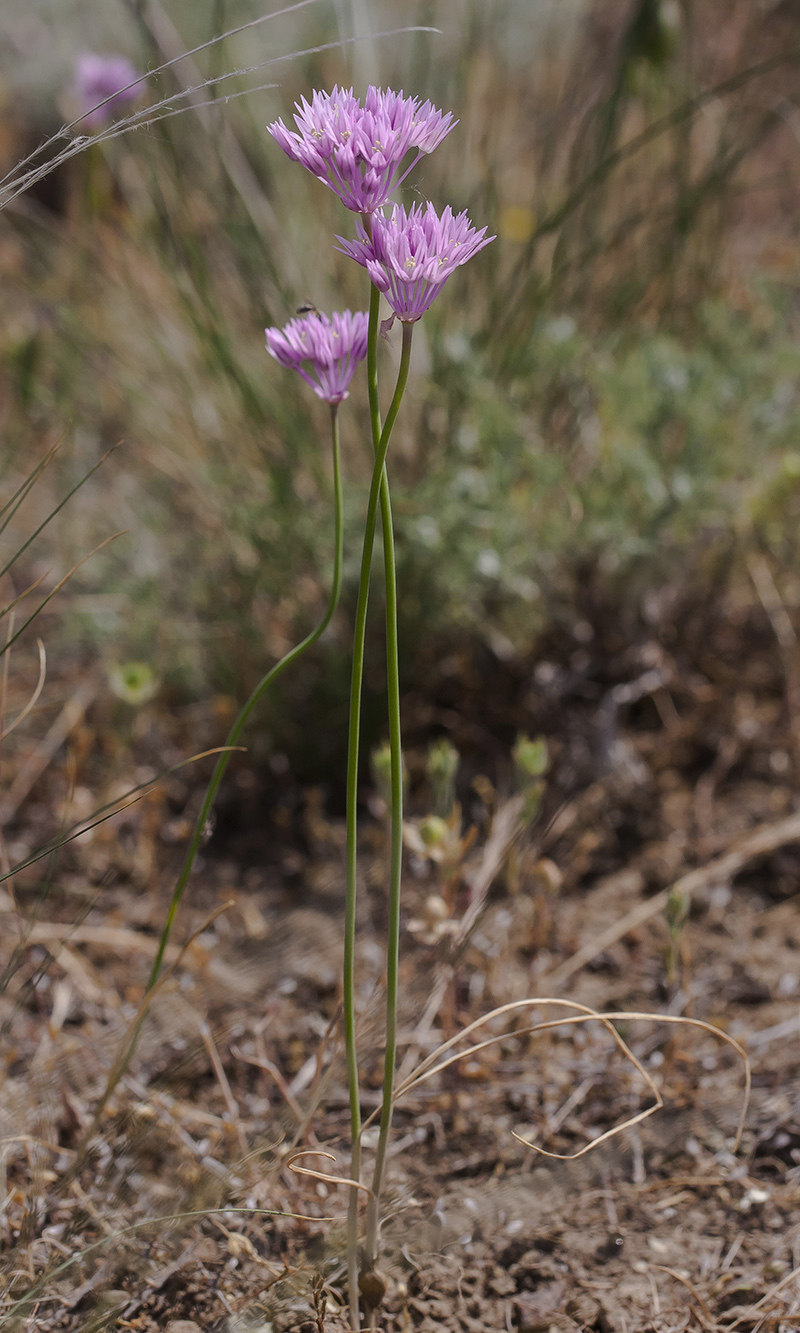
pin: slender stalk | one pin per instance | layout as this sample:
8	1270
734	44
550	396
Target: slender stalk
395	875
396	776
395	865
372	354
352	841
378	489
247	708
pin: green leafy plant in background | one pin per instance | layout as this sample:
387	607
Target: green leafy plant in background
531	762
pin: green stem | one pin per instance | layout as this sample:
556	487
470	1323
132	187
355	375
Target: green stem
395	873
244	715
372	361
396	773
352	846
378	490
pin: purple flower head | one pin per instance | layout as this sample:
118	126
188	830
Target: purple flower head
101	77
356	150
324	351
410	255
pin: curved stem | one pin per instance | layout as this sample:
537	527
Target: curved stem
378	489
244	715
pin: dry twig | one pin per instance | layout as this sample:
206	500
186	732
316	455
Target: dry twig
762	840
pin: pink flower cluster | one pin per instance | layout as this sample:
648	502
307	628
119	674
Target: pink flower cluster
361	153
330	348
410	255
358	151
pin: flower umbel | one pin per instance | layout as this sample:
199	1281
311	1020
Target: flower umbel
100	77
356	150
324	351
410	255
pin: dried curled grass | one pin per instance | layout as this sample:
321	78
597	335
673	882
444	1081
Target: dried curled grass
434	1064
585	1014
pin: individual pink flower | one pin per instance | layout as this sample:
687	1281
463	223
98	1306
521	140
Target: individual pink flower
104	79
358	151
324	351
410	255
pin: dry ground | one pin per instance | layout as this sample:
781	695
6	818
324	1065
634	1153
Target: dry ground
664	758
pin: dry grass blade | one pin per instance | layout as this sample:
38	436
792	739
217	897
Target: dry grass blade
430	1067
764	839
106	541
66	129
320	1175
132	1035
261	1062
507	825
222	1078
629	1016
11	505
22	595
778	1032
69	718
57	508
34	1138
11	188
31	704
506	828
119	939
684	1281
434	1064
34	1296
111	808
748	1314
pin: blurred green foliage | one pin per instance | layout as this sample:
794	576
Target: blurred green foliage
441	768
633	448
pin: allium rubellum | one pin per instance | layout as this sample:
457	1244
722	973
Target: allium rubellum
358	151
101	77
410	255
324	351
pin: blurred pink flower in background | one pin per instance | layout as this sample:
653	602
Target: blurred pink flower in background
98	78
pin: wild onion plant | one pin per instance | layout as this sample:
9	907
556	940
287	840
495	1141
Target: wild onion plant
362	153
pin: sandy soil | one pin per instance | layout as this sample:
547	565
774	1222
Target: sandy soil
673	758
